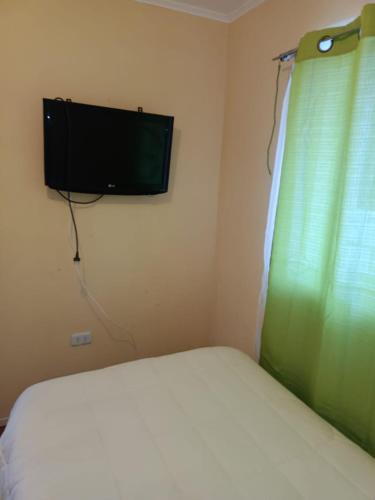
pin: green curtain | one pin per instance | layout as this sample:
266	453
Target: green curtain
318	334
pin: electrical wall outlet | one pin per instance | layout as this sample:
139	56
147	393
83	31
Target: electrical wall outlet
81	338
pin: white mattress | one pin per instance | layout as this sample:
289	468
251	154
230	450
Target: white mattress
208	424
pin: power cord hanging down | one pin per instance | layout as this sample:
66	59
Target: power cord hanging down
99	311
274	120
68	198
103	316
77	257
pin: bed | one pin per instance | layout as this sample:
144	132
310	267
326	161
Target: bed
207	424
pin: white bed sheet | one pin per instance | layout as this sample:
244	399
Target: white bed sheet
207	424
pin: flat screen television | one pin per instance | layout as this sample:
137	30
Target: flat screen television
99	150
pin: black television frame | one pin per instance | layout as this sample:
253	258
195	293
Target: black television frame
51	170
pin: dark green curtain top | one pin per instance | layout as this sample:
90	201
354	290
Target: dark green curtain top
308	47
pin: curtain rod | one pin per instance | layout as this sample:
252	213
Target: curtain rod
286	56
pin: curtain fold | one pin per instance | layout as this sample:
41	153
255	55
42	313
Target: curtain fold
318	334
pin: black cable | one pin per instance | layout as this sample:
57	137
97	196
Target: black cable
274	118
67	156
76	258
80	202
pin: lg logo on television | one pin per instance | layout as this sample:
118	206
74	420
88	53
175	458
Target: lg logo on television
111	185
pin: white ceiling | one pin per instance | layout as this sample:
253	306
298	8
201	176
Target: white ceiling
221	10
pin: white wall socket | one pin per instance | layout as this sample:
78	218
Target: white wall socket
81	338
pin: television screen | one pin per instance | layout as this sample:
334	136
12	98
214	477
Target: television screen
99	150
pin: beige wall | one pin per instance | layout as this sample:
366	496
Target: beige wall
273	27
149	261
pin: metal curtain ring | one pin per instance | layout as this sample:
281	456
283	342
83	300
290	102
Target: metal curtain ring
325	44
